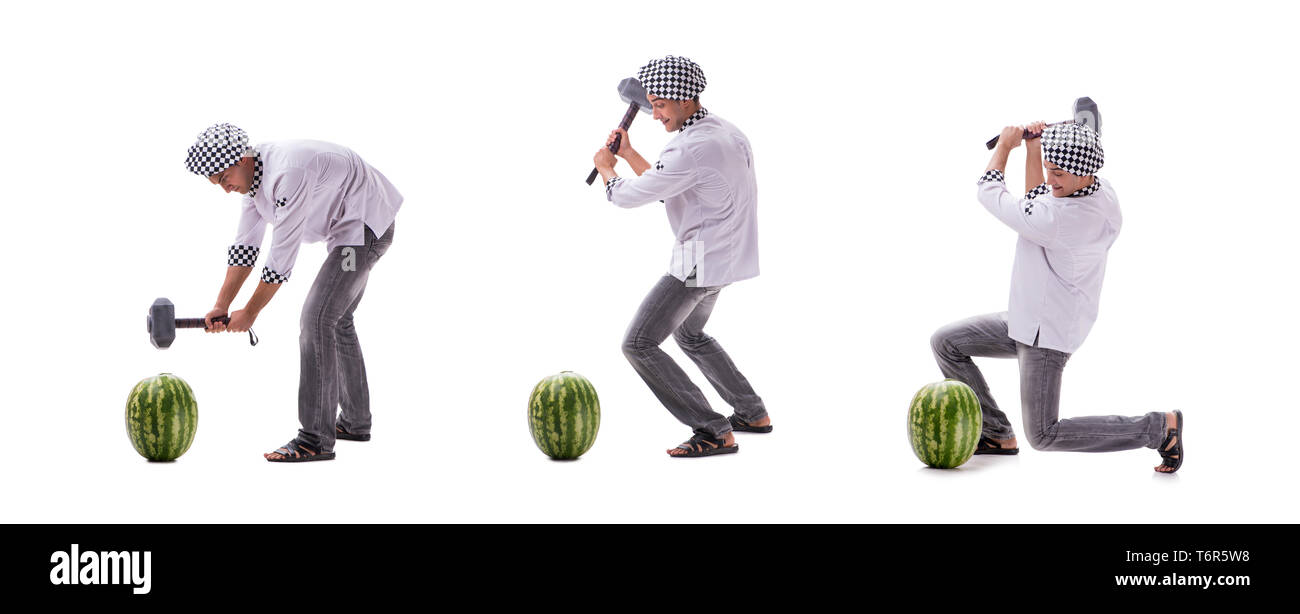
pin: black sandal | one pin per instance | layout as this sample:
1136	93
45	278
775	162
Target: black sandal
1173	457
989	446
298	452
741	426
702	444
342	433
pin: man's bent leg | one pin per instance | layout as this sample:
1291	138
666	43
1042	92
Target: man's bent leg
955	344
664	309
716	365
1041	372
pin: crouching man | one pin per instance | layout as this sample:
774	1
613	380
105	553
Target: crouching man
705	178
1066	224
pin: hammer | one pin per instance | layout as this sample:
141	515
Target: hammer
633	94
1085	112
162	324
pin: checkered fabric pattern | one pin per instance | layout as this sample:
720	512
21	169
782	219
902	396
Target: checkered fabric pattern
242	255
659	166
281	202
271	277
609	187
257	175
1074	147
696	116
1038	191
993	175
673	77
1096	185
217	148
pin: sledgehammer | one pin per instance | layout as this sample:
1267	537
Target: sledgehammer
633	94
1085	112
162	324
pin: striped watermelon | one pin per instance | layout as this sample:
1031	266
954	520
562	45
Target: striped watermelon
161	417
564	415
944	424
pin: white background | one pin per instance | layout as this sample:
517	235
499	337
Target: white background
868	122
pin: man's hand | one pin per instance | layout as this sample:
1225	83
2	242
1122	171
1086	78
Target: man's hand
1011	137
624	145
241	321
214	327
605	160
1035	131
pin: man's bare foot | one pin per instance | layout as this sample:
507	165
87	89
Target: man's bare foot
1171	423
703	445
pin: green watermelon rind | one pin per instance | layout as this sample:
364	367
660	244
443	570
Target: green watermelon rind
162	417
944	423
564	415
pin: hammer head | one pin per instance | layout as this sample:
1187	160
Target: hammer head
1086	113
162	323
631	91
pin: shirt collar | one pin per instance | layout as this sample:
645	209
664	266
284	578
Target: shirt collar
257	175
1096	185
696	116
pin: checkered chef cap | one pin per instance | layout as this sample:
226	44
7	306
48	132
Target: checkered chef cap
673	78
1074	147
218	148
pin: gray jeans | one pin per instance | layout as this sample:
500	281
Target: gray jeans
674	309
1040	391
332	372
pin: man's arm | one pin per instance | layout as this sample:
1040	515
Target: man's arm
235	276
242	319
675	173
1034	156
625	151
1008	140
605	162
1038	224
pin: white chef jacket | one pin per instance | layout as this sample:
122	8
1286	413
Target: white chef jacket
310	191
1060	259
705	176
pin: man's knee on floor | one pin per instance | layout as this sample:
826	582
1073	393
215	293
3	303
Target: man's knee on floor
1042	440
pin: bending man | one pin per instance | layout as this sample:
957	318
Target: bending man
308	191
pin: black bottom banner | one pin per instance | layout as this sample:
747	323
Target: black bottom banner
650	565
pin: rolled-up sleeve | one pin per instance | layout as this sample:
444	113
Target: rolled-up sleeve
248	238
1033	218
290	193
675	173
